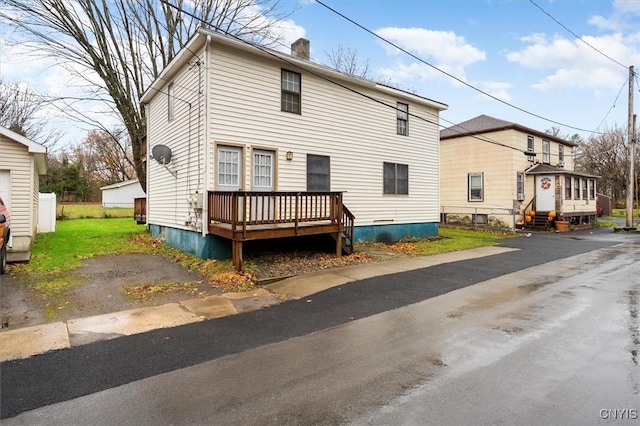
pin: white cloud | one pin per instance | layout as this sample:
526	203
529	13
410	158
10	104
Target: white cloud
497	88
624	16
445	47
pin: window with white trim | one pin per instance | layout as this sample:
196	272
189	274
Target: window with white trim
592	189
520	186
228	167
576	188
262	170
561	155
546	152
530	148
475	183
585	189
396	178
290	86
402	118
567	188
170	98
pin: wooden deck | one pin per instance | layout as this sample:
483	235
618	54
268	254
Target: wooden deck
245	215
140	210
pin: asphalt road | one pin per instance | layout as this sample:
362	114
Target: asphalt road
340	354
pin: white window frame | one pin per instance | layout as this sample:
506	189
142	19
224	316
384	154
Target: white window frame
561	155
291	91
402	122
262	169
228	167
470	188
546	152
530	148
520	186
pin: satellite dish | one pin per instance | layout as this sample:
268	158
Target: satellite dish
162	154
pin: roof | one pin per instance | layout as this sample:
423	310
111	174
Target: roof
120	184
485	124
39	151
547	169
198	41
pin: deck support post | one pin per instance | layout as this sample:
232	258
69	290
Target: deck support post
236	254
339	244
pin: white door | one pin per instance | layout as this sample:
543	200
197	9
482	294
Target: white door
263	207
545	193
5	193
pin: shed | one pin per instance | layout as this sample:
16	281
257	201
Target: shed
121	194
22	161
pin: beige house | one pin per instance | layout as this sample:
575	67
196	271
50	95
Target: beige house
248	143
22	161
495	172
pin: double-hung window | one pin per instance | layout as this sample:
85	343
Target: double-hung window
290	85
396	178
402	118
170	97
567	188
476	186
530	148
576	188
585	194
520	185
318	172
546	152
592	189
561	155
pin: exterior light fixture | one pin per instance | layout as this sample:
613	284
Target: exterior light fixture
289	155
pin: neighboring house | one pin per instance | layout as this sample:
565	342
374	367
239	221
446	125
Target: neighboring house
121	194
495	172
247	143
22	161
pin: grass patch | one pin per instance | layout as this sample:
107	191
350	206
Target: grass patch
92	211
141	293
455	239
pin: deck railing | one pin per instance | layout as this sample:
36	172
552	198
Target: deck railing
244	208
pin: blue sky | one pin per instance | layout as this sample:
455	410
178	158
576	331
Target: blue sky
510	49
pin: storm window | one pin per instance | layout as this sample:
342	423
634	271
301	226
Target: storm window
396	178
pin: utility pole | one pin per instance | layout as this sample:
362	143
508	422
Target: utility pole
630	152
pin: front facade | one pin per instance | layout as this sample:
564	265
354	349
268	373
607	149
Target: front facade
22	161
496	172
228	117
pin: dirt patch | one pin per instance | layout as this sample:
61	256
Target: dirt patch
101	291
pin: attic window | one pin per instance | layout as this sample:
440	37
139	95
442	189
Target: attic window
290	85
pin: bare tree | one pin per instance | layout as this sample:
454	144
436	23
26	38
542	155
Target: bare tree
20	106
118	47
345	59
105	157
605	155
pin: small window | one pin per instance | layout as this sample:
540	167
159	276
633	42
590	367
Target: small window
546	152
561	155
476	190
170	97
520	185
530	148
576	188
396	178
584	189
228	167
290	84
262	169
592	189
318	173
403	118
567	188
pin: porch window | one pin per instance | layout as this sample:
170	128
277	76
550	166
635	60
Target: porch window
584	190
567	188
546	152
592	189
170	97
476	186
318	172
228	167
576	188
290	85
530	148
396	178
520	185
402	118
561	155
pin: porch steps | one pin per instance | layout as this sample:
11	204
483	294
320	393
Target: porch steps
540	221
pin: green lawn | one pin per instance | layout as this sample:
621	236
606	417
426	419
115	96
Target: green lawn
91	210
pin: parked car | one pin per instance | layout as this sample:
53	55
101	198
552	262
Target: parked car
5	231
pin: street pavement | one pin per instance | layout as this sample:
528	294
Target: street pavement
319	301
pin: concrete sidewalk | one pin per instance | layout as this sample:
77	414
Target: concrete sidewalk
29	341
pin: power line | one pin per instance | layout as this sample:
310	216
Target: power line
448	74
575	35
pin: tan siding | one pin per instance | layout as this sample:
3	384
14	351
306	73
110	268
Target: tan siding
16	158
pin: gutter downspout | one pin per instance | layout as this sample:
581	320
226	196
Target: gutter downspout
205	196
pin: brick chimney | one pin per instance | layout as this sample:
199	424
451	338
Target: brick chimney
300	48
